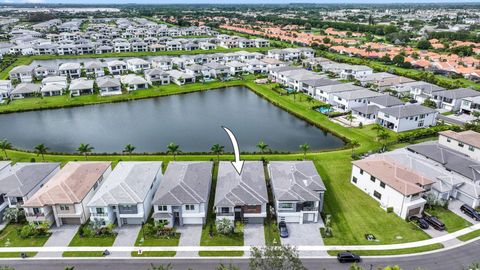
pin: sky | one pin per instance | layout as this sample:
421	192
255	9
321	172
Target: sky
232	2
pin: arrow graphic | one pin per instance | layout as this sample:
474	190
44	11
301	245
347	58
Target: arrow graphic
237	164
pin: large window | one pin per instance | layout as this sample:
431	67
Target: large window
225	210
64	207
285	205
354	179
162	208
382	184
100	211
377	195
372	178
190	207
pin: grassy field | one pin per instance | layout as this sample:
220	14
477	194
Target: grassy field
391	251
220	253
9	237
154	254
470	235
452	221
16	254
82	254
78	241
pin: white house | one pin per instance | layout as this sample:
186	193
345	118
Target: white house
116	67
80	87
21	73
452	99
466	142
407	117
137	65
157	76
71	70
133	82
109	86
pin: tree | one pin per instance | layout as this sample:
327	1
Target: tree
350	118
353	144
217	149
129	149
262	147
424	44
41	149
377	128
383	136
173	149
398	60
84	149
5	145
13	214
275	258
224	226
304	147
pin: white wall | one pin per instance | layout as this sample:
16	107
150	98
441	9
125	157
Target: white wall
472	152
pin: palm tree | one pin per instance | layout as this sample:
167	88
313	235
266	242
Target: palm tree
41	149
310	99
304	147
383	136
262	147
350	118
5	145
174	149
353	144
84	149
129	149
377	128
217	149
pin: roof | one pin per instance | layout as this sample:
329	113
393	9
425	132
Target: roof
68	66
469	137
184	183
367	109
233	189
295	180
394	175
108	82
386	101
52	87
407	110
81	83
26	88
128	183
21	178
335	88
132	79
458	93
70	185
357	94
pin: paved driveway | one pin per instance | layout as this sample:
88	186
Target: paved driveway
454	206
190	236
253	235
305	235
127	235
61	237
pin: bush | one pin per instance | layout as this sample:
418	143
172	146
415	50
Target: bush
224	226
389	209
424	133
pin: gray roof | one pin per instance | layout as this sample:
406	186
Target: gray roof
108	82
19	179
426	87
343	87
358	94
386	101
320	82
185	183
450	159
367	109
295	180
249	188
458	93
407	110
128	183
26	88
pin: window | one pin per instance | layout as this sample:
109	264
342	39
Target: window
99	210
448	140
162	208
422	116
372	178
460	144
354	179
190	207
64	207
382	184
225	210
285	205
361	171
420	124
377	195
471	148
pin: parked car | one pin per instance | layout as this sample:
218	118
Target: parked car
421	222
436	223
282	226
469	211
345	257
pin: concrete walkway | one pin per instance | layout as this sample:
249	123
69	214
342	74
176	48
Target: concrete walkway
61	237
127	235
305	235
253	235
190	236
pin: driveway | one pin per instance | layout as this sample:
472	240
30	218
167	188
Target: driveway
61	237
127	235
190	236
253	235
305	235
454	206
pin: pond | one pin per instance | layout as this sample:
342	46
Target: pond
192	121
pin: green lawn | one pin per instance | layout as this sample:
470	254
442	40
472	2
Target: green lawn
82	254
391	251
16	254
152	241
78	241
452	221
9	234
470	235
272	235
220	253
154	254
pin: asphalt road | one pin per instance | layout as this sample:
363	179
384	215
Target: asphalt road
455	259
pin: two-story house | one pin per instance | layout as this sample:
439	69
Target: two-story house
63	199
466	142
298	191
406	117
241	197
126	195
182	197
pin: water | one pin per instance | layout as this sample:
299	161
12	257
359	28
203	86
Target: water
191	120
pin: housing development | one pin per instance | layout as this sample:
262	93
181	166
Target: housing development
240	136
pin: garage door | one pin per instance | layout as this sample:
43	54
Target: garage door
465	198
254	220
71	221
290	219
192	220
414	211
131	221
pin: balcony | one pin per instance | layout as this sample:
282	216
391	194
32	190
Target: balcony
225	214
99	214
309	208
36	215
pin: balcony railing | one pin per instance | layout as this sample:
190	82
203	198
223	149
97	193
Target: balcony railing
36	215
99	214
309	208
225	214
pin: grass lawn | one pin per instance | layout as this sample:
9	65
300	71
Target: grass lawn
152	241
272	235
9	234
154	254
391	251
78	241
469	235
220	253
16	254
82	254
452	221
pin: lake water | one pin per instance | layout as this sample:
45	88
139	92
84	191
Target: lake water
191	120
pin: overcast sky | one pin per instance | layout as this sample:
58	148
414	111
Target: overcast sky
231	2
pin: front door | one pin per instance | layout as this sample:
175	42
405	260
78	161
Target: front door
238	213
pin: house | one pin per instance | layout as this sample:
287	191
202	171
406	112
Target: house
157	76
80	87
261	43
180	78
24	90
19	182
70	70
121	47
466	142
5	88
469	105
207	46
452	99
420	91
21	73
54	86
298	191
391	184
215	70
291	54
116	67
162	62
63	199
41	72
350	99
133	82
241	197
255	66
326	93
137	65
194	70
355	72
236	67
182	197
125	197
94	69
109	86
407	117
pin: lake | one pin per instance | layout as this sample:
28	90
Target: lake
191	120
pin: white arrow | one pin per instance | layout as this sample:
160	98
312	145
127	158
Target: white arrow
237	164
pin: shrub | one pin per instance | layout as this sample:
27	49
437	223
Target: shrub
224	226
389	209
